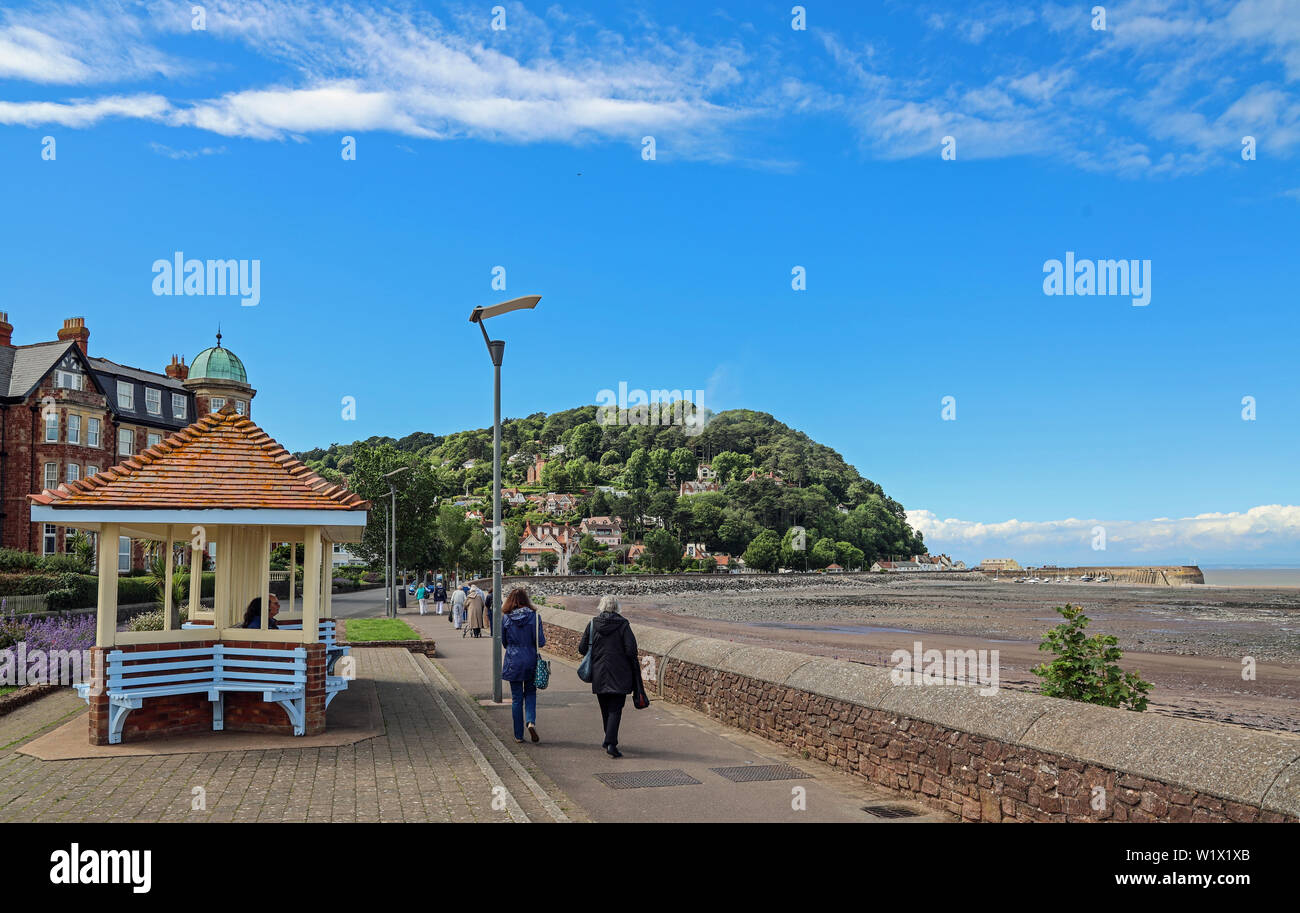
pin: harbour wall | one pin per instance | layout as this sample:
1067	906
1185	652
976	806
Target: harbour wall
1169	575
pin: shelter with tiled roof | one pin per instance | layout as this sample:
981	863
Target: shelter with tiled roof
221	481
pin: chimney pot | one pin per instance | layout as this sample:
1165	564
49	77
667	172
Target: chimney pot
74	328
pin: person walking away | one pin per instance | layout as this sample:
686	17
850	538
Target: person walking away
474	606
521	636
439	594
614	666
458	608
420	595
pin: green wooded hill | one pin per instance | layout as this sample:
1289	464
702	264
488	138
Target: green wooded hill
848	519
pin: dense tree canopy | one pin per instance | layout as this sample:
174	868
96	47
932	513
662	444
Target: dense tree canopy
634	472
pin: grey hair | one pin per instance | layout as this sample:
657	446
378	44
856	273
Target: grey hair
608	604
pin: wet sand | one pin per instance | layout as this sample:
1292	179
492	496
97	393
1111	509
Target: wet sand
1188	641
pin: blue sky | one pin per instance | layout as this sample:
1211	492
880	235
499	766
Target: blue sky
775	147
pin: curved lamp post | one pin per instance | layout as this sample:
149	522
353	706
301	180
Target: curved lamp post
496	349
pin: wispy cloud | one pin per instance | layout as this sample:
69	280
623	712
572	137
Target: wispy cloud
1169	87
1273	528
184	154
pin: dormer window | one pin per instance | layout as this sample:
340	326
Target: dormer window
125	396
153	401
178	406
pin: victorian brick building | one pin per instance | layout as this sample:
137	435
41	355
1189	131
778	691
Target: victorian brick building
65	415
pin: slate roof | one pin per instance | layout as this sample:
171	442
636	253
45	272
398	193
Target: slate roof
221	461
23	367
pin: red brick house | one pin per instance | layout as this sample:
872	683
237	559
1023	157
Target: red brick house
66	415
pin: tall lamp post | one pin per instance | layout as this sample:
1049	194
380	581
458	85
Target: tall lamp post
392	489
496	349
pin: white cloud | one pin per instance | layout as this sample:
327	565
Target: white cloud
1273	529
83	113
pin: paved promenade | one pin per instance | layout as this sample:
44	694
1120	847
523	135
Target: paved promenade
447	753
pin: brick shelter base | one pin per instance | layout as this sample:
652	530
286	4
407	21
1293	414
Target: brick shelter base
183	714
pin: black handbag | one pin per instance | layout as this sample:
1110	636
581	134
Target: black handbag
640	700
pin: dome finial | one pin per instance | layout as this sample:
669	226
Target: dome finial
218	335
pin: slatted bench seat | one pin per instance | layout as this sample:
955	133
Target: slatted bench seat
327	633
279	675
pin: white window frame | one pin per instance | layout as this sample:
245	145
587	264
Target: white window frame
123	554
150	406
216	404
52	426
69	380
92	470
49	539
241	407
130	447
92	432
74	428
152	438
179	407
51	475
73	471
125	395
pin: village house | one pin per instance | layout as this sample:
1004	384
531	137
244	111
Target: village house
696	487
605	530
534	476
755	475
919	564
696	551
513	497
66	416
560	539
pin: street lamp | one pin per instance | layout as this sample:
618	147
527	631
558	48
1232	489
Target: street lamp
392	488
496	349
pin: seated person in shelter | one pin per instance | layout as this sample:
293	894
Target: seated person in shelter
253	614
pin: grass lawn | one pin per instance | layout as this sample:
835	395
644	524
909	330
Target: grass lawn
5	689
363	629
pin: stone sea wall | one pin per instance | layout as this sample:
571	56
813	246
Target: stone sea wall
1008	756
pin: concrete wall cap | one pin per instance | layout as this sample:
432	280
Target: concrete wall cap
1002	715
840	680
763	664
1221	760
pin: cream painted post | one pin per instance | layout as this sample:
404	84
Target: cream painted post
196	572
293	572
311	580
106	612
327	580
169	624
265	574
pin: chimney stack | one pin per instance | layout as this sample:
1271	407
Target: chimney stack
178	369
6	330
74	328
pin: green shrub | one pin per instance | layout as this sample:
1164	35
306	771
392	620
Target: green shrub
153	621
133	590
12	584
13	560
70	564
1087	668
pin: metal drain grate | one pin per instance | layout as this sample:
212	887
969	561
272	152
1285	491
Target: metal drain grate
637	779
891	811
750	773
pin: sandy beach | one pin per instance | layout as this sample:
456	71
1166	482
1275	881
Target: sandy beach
1188	641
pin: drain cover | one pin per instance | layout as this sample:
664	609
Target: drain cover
636	779
890	811
749	773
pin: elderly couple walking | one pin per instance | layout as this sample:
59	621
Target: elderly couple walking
614	663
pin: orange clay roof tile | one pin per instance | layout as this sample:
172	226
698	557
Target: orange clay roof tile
221	461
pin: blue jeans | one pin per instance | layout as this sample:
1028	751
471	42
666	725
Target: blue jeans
523	704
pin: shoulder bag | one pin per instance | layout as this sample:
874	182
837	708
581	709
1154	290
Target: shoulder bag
584	667
542	677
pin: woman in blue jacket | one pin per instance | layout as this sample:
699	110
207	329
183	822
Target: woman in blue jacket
521	635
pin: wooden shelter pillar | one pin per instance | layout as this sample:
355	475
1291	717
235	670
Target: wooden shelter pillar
106	613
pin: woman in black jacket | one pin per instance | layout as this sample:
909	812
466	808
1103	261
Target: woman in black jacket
615	666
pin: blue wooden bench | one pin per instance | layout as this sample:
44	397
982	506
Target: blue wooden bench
326	633
279	675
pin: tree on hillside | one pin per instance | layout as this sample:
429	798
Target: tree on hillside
417	492
663	550
454	531
764	552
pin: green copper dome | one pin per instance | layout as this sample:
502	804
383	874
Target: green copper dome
218	363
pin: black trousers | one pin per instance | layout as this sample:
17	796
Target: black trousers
611	714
